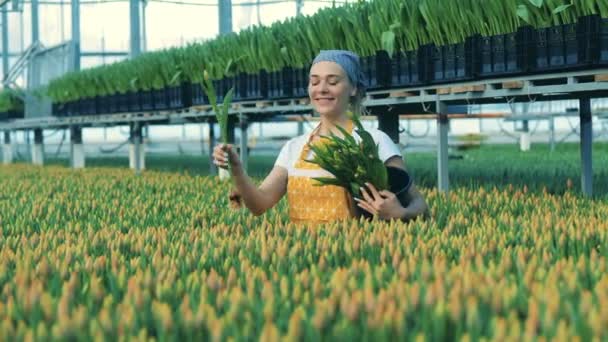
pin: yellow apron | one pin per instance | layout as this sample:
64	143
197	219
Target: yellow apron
310	203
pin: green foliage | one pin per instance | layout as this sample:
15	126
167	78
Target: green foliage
10	100
351	162
221	112
153	256
363	27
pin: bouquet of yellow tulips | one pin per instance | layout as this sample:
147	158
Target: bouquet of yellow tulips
352	163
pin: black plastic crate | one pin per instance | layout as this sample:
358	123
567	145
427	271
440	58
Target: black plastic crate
12	115
507	53
454	62
88	106
175	97
71	108
301	78
377	69
256	86
221	88
59	109
160	99
409	67
603	41
588	33
123	102
103	104
569	45
77	108
146	100
251	86
134	101
112	103
198	95
280	84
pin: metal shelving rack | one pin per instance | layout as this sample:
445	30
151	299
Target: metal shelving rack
387	105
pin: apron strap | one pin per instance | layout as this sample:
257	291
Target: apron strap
306	149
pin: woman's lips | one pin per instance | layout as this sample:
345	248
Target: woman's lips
325	100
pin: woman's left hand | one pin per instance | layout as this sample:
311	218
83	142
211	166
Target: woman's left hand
382	204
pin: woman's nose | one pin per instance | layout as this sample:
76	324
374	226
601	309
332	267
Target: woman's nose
323	86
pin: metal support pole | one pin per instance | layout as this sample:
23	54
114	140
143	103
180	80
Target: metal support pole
135	49
388	122
77	158
5	51
136	148
244	125
35	22
442	147
144	36
212	167
7	149
552	133
75	34
586	146
33	78
38	148
225	16
62	19
524	142
300	128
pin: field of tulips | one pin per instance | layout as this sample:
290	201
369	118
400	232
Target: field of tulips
101	253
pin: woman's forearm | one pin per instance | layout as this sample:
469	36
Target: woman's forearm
417	207
254	199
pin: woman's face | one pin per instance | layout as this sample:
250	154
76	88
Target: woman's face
329	89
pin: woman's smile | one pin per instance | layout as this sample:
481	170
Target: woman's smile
325	100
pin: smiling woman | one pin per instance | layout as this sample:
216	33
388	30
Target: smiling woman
336	87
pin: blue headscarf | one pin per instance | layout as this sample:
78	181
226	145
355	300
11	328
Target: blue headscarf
349	61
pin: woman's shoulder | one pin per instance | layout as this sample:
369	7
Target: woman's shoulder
296	141
387	148
290	151
292	145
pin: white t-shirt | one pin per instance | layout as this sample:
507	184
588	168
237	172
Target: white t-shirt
290	152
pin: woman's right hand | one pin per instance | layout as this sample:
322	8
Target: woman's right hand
224	153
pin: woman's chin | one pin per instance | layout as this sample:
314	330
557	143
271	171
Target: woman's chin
329	113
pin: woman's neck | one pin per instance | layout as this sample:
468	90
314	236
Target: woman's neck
328	125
